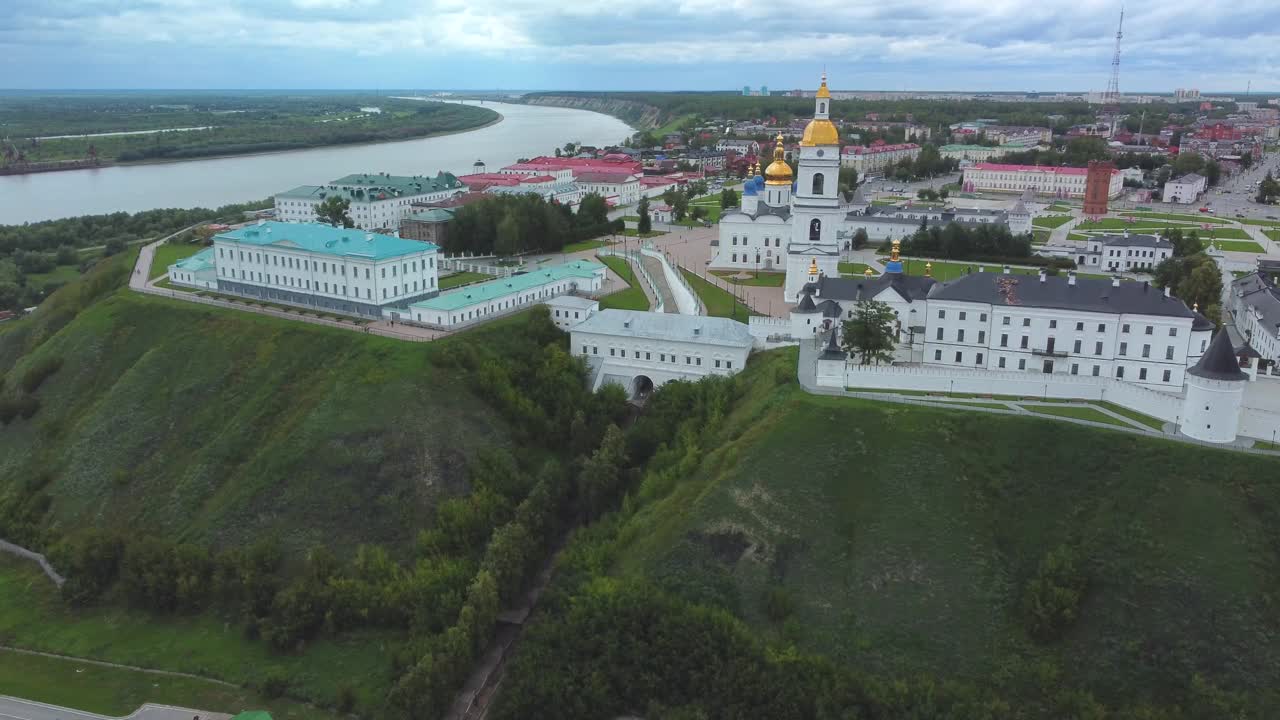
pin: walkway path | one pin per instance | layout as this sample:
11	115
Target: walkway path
654	268
12	708
35	557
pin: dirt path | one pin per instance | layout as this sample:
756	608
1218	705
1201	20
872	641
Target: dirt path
135	668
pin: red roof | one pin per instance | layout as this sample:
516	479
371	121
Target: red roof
604	177
618	162
859	150
997	167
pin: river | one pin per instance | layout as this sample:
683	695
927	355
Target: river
525	131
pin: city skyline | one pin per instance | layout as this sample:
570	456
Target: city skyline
955	46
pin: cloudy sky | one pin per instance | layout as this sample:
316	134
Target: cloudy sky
636	45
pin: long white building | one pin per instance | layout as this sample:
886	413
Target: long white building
877	158
1062	182
1185	190
644	350
378	201
1124	253
484	301
1255	307
335	269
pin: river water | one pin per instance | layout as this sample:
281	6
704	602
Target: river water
525	131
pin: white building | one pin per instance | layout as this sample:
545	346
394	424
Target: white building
644	350
1078	326
487	300
1124	253
877	158
1255	307
620	188
559	192
1214	395
378	202
1134	174
197	271
741	147
334	269
1062	182
569	310
1186	189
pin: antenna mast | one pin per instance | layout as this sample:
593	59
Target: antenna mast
1113	86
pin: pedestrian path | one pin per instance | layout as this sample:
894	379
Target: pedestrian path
654	267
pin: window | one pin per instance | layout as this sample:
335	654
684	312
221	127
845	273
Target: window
1168	353
688	360
613	352
1026	322
1167	375
1119	371
647	355
1173	332
1142	373
959	356
982	336
1001	362
1076	347
1025	340
1146	351
1102	327
662	357
815	230
1075	369
939	333
942	314
717	363
1096	369
1022	363
595	349
817	183
962	314
982	317
1005	320
1124	328
1079	326
960	335
1004	341
1053	324
728	364
1150	329
1124	349
1097	348
978	360
937	354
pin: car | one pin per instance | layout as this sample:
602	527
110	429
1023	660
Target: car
1272	217
1204	209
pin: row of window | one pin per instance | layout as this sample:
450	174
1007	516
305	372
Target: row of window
1166	375
315	286
1053	324
777	242
693	360
324	267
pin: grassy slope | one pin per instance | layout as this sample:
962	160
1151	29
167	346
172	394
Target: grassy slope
719	303
905	536
631	298
215	426
170	253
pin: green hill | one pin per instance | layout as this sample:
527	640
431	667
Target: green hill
1047	565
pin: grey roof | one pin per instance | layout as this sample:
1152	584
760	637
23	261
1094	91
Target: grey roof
1259	293
573	301
806	304
1239	343
829	308
1019	208
910	287
762	209
1088	294
1189	178
832	351
1219	361
1150	241
668	326
1201	322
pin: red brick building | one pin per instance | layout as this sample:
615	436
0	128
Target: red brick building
1096	186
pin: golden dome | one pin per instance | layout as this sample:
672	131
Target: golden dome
778	172
820	132
813	266
867	272
928	269
823	92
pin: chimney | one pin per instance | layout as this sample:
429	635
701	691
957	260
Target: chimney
1115	281
1043	274
1007	270
626	323
1071	277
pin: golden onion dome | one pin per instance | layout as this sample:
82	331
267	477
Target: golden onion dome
778	172
813	266
820	132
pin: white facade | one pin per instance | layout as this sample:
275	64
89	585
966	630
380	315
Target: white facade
1211	409
644	350
878	158
377	201
1043	180
1255	308
1124	253
1186	189
622	189
197	271
569	310
488	300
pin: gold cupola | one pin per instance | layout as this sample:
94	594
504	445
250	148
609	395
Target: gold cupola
820	130
778	172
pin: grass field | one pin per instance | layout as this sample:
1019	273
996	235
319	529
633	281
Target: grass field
856	268
462	278
1074	411
1237	246
763	279
1051	221
950	270
1263	445
61	275
1153	423
1040	237
1273	234
584	245
1181	217
905	537
631	298
719	303
170	253
33	617
1258	221
632	232
1224	234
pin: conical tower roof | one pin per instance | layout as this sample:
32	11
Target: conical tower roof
1219	361
833	351
806	304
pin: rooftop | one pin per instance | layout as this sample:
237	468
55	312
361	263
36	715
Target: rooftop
605	177
1219	361
1087	295
668	326
860	150
999	167
493	289
324	239
1137	240
202	260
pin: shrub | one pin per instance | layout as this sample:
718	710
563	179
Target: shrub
1052	598
778	604
273	685
15	406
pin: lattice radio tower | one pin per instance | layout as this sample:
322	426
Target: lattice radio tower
1113	85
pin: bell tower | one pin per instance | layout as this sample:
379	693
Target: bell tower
816	215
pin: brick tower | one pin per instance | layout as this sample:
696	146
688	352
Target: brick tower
1096	187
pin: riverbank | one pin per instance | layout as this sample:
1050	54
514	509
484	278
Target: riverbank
85	164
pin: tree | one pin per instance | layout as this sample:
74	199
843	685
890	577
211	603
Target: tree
870	334
860	238
1246	160
1269	189
645	225
728	198
1212	172
1188	163
680	207
335	211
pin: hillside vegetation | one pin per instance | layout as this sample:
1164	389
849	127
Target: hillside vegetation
800	556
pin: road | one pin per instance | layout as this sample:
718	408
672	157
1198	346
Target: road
12	708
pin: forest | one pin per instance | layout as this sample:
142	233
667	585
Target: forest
513	224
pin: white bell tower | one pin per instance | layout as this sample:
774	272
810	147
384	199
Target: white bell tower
816	215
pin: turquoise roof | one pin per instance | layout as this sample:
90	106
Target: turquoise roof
493	289
325	239
364	186
202	260
432	215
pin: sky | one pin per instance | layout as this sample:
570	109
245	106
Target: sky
1013	45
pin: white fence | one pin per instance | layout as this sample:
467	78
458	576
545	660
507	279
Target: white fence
770	332
632	259
687	301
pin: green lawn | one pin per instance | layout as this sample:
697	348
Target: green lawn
1040	237
1078	412
1077	236
1183	217
118	692
764	279
719	303
1263	445
632	232
853	268
32	616
1273	234
1153	423
1238	246
674	126
1051	221
60	275
462	278
584	245
170	253
631	298
1224	233
1258	221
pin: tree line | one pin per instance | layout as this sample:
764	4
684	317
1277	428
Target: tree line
513	224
